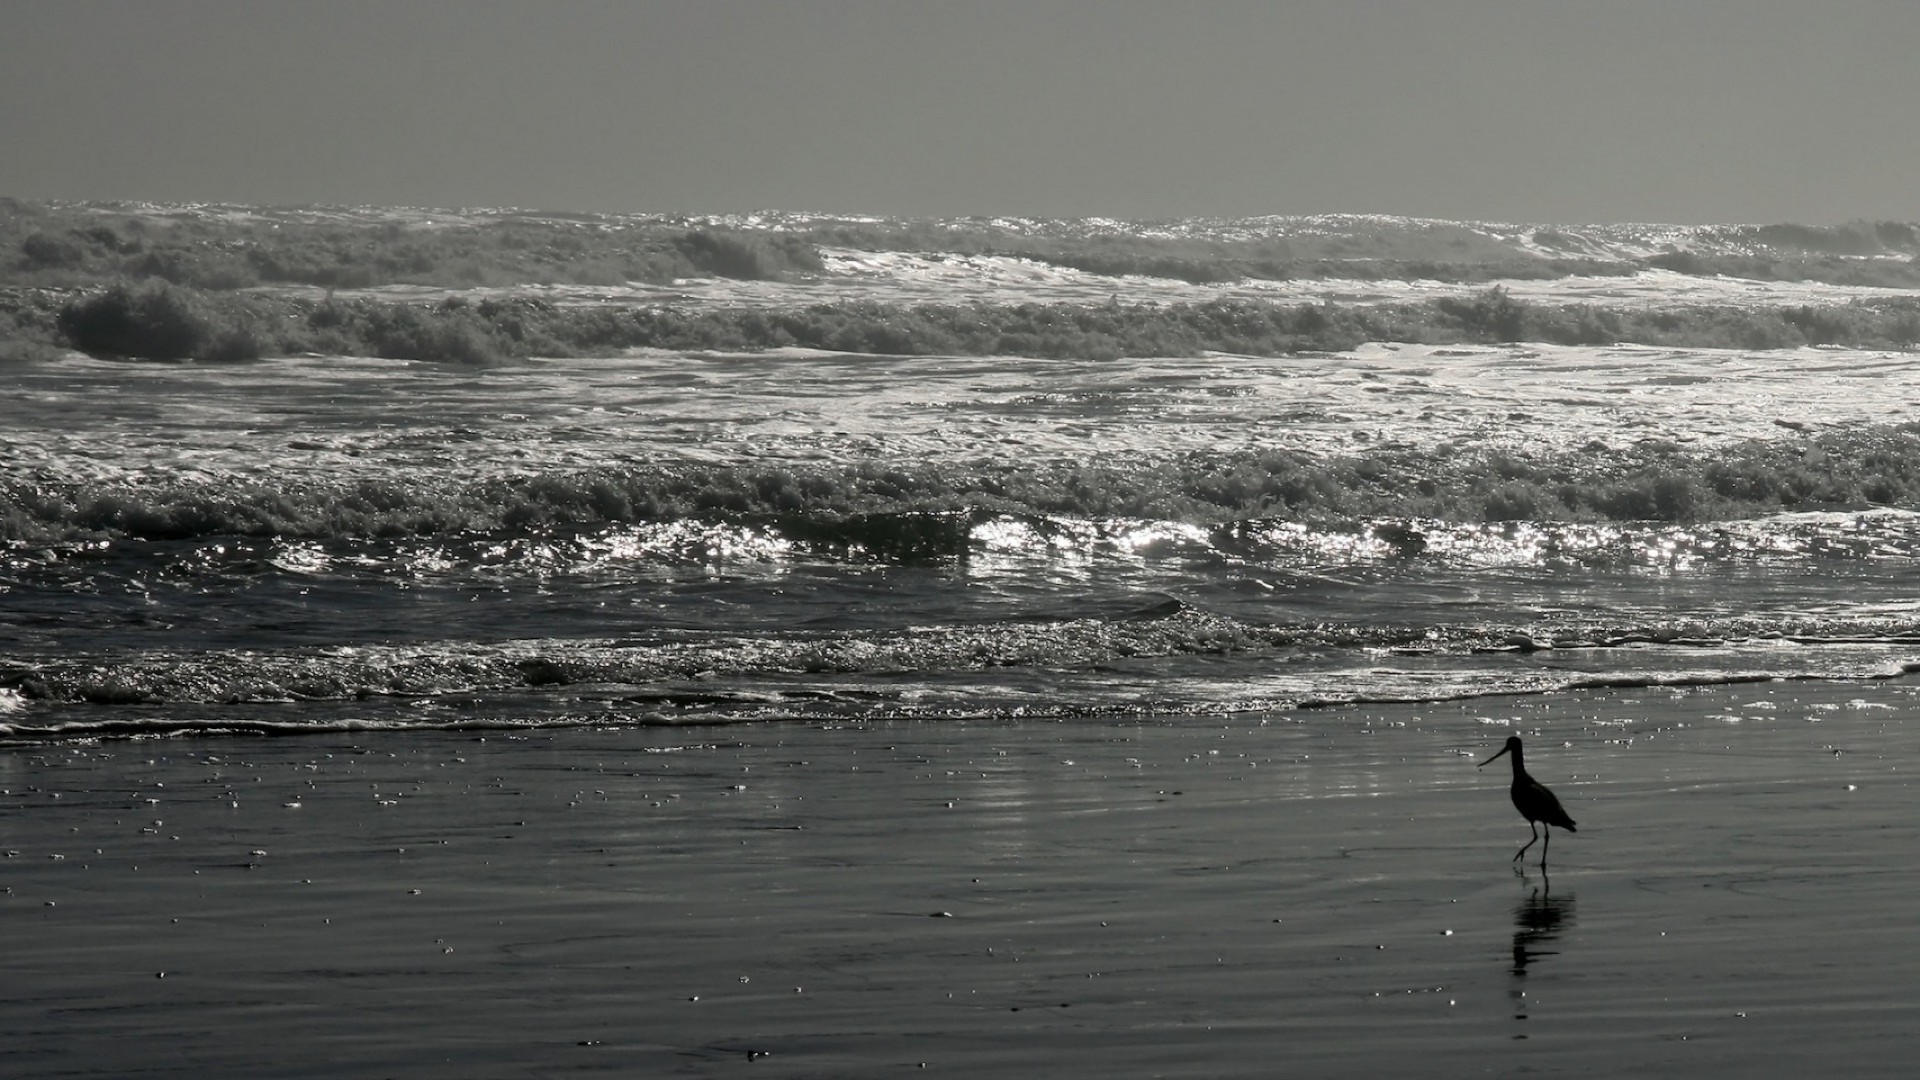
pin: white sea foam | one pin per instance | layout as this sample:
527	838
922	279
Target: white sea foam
330	543
327	420
915	278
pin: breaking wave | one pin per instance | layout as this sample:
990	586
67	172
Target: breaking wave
933	510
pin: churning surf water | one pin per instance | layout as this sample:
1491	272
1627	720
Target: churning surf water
325	543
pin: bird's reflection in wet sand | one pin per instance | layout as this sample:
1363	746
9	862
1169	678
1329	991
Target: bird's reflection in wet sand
1537	922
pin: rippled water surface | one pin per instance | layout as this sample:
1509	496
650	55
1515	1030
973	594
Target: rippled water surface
654	538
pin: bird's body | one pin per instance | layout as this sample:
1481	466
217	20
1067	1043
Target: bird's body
1533	800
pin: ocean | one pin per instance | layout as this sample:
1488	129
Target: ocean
989	673
328	543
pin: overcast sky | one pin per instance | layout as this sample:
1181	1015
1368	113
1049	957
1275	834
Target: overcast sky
1518	110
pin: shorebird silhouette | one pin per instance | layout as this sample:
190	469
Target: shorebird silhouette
1533	800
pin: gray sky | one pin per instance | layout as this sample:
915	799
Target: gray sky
1524	110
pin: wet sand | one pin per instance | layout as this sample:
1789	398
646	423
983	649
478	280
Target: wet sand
1324	893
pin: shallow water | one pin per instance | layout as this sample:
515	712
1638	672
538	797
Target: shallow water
1328	893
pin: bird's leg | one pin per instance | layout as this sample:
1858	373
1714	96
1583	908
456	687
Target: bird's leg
1533	829
1543	850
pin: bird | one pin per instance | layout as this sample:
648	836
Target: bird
1533	800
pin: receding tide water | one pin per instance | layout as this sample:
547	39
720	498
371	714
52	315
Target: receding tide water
325	542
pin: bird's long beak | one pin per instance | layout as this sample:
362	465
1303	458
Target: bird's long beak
1491	760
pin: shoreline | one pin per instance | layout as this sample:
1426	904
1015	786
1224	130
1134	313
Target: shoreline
1326	892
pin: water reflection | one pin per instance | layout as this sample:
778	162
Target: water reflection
1537	923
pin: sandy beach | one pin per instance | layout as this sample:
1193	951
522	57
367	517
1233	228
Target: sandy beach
1322	893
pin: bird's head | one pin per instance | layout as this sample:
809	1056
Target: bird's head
1513	745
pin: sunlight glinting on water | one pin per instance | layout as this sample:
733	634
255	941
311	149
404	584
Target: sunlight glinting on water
672	536
1587	403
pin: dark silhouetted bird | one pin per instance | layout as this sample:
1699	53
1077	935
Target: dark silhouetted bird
1533	800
